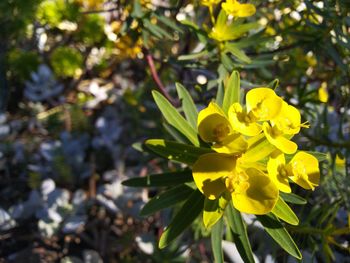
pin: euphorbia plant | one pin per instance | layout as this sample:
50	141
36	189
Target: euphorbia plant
236	156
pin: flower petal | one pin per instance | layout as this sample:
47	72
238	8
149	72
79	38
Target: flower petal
241	122
305	170
213	126
288	120
277	139
277	171
209	172
234	143
264	103
259	197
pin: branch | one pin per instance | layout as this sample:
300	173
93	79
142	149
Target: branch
157	80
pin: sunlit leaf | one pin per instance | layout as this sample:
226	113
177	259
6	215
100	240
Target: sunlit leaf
284	212
176	151
175	118
188	105
276	230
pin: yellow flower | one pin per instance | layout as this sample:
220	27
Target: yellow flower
242	121
214	127
251	190
323	93
288	120
302	169
209	3
276	137
263	103
234	8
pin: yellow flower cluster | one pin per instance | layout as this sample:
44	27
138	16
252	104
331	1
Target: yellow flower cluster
250	144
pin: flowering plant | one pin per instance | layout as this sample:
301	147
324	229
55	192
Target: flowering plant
237	158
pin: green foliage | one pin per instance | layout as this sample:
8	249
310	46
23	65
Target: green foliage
66	61
22	63
91	30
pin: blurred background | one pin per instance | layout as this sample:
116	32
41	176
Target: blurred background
75	105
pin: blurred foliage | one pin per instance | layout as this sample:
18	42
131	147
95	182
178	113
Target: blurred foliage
75	93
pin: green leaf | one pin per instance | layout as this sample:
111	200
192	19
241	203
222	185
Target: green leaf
293	198
237	30
201	34
240	235
238	53
168	22
259	148
179	137
188	105
213	210
156	30
232	91
187	214
216	241
284	212
274	84
166	199
276	230
319	156
163	179
175	118
137	10
193	55
175	151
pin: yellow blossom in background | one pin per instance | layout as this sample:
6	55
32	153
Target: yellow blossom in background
127	48
236	9
302	169
323	93
251	190
91	4
209	3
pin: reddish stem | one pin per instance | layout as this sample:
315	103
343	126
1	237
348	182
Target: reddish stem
157	80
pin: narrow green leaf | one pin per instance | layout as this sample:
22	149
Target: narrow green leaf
227	62
156	30
178	136
167	199
184	218
319	156
238	53
284	212
274	84
276	230
188	105
237	30
232	91
168	22
259	148
216	241
163	179
137	9
213	210
175	151
175	118
193	55
240	235
293	198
